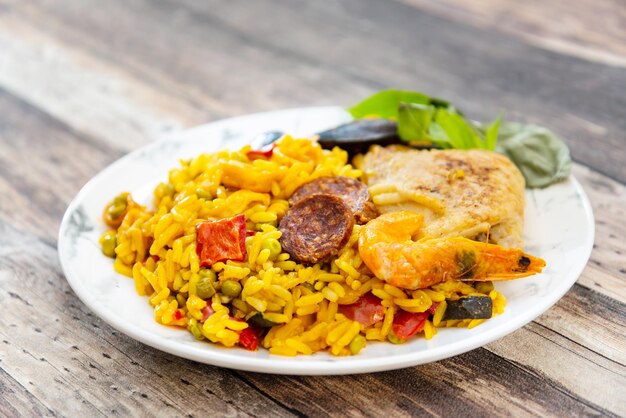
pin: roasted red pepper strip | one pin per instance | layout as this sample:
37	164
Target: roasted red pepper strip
177	315
249	338
265	152
220	240
406	324
367	310
206	312
433	308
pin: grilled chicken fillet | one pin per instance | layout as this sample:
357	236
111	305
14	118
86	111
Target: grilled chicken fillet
475	194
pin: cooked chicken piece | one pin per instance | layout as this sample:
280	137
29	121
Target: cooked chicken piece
475	194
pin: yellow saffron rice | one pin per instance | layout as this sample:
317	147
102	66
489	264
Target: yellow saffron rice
156	246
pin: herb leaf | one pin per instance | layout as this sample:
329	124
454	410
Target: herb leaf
414	120
438	136
385	104
542	158
491	134
540	155
460	134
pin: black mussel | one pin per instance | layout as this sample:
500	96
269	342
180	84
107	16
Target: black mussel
471	307
357	136
258	320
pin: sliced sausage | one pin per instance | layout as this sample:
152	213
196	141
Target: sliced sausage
316	228
354	193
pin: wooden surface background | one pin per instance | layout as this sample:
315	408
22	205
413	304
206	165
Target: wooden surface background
84	82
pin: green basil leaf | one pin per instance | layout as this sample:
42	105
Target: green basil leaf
438	136
461	134
542	158
540	155
414	120
491	135
385	103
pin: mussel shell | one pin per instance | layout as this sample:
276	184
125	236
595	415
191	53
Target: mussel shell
357	136
470	307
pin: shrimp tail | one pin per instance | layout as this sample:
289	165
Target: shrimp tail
386	247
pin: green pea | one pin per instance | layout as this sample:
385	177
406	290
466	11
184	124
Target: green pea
194	328
393	339
231	288
120	199
205	286
203	193
484	287
357	344
116	209
209	274
109	242
273	245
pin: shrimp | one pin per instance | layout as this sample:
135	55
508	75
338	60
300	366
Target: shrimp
386	247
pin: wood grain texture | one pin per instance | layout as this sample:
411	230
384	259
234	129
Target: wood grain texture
589	29
44	333
81	83
323	53
606	271
23	402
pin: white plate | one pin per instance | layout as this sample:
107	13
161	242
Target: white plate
559	227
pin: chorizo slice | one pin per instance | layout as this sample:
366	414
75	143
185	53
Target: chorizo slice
316	228
354	193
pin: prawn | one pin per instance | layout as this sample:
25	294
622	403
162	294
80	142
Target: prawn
386	247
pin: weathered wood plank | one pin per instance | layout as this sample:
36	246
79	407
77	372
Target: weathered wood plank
96	92
29	117
84	367
472	384
541	364
300	60
79	363
89	94
590	30
38	179
22	402
551	356
605	273
89	353
592	319
530	84
203	55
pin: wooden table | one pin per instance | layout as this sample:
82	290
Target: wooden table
84	82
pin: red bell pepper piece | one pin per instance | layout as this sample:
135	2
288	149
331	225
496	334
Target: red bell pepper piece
406	324
265	152
433	308
177	315
224	239
367	310
206	312
249	338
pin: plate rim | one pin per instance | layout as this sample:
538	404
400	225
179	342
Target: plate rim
278	364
